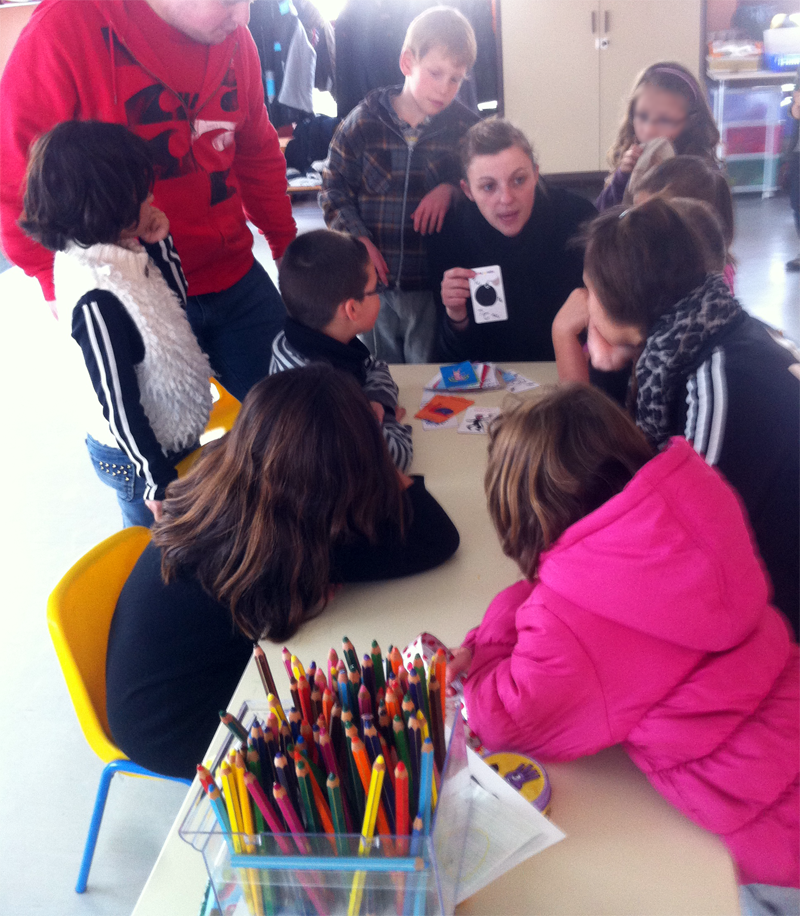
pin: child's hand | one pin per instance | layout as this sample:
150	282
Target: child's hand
796	105
630	158
405	480
605	356
455	292
378	409
571	320
156	506
432	209
377	260
462	659
399	412
156	227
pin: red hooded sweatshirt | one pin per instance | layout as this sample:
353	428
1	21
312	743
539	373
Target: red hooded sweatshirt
200	107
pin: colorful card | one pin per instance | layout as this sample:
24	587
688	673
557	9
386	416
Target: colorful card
441	408
462	375
487	294
477	420
516	382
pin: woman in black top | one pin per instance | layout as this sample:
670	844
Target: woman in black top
300	496
509	219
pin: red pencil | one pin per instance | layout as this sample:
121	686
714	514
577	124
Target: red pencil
401	798
327	706
304	691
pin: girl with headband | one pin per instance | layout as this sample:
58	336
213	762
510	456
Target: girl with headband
666	104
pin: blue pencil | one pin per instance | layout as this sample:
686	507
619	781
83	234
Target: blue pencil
425	784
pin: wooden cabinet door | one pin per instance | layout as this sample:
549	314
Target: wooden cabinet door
634	35
551	79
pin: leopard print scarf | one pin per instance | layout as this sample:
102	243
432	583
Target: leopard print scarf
672	346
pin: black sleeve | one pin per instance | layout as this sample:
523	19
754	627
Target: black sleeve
430	539
112	347
165	256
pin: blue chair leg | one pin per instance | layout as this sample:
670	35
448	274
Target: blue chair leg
116	766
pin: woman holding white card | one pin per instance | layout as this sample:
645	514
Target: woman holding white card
509	242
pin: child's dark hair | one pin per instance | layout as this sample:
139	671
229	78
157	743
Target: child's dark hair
86	181
492	136
319	271
699	136
695	177
642	261
553	461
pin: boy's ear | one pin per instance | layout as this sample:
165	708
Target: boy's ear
349	308
407	61
465	189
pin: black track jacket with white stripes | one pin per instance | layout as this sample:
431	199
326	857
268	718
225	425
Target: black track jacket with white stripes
740	408
121	346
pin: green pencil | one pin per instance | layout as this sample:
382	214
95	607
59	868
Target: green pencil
337	812
307	795
377	666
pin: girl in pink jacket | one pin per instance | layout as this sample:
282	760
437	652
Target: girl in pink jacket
643	620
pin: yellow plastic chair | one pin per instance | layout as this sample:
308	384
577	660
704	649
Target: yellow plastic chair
224	411
79	613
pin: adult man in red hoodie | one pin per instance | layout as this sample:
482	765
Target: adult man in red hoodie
185	76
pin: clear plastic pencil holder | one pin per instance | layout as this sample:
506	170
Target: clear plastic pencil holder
319	874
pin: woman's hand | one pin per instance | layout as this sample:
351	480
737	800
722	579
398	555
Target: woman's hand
156	506
432	209
572	319
377	259
630	158
378	409
455	292
462	659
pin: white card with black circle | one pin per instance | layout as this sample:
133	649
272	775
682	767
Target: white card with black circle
488	295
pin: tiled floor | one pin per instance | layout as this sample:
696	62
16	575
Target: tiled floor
55	510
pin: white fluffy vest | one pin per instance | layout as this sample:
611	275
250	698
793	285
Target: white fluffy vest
173	377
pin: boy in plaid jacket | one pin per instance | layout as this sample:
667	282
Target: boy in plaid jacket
393	171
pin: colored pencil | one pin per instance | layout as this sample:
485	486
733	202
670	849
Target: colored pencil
365	773
295	721
367	832
364	701
349	653
275	706
409	708
419	665
337	812
327	706
414	747
377	665
217	803
343	686
397	661
316	703
401	798
264	671
304	779
426	785
233	725
297	668
286	657
441	677
304	692
295	694
253	763
333	658
436	721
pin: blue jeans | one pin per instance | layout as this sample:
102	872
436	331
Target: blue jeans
117	471
236	328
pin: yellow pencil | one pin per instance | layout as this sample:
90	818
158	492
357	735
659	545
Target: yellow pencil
231	802
248	825
367	831
426	732
297	668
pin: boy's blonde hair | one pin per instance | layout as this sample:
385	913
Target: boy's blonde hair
444	27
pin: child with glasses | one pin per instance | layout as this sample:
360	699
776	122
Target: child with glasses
332	294
667	115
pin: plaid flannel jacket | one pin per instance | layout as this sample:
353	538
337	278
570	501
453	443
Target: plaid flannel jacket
375	177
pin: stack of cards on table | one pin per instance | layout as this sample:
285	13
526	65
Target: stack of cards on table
515	382
465	376
438	411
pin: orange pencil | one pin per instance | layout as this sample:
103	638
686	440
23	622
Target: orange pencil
327	706
392	704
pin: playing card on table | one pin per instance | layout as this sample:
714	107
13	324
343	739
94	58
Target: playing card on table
516	382
462	375
477	420
440	410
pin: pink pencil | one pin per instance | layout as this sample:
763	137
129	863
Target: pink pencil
302	844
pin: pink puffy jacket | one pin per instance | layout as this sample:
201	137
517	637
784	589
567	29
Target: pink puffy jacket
649	625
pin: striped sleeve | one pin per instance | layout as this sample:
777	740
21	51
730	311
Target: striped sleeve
165	256
398	441
284	356
379	385
707	407
112	347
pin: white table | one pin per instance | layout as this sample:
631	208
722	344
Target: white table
627	850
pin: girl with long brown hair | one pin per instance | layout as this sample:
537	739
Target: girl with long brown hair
298	497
